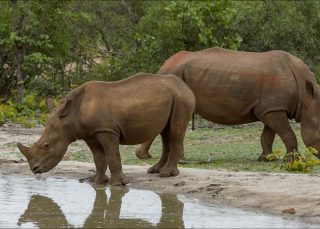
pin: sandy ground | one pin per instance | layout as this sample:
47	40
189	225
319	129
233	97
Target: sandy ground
268	192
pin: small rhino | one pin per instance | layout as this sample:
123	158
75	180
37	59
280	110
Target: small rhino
106	114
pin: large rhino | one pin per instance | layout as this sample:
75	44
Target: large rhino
233	88
129	111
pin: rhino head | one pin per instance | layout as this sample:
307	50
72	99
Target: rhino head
49	150
310	117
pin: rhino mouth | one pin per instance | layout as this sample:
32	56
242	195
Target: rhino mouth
39	169
36	169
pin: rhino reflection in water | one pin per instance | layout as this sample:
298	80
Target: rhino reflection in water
125	112
234	88
44	212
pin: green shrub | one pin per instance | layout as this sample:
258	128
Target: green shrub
31	112
42	106
302	162
7	112
275	155
29	101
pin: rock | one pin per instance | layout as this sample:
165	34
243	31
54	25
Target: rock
213	187
181	183
192	191
21	160
289	211
210	185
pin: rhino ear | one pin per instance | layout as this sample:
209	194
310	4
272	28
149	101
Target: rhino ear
310	88
65	108
50	104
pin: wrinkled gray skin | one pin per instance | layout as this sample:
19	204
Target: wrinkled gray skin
233	88
126	112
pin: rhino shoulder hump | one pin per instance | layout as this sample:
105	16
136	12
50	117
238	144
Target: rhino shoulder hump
214	49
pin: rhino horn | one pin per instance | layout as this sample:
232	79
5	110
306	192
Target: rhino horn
24	150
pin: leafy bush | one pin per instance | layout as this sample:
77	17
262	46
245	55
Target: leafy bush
275	155
302	162
31	112
7	112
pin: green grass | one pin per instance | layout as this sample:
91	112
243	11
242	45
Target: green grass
213	147
82	155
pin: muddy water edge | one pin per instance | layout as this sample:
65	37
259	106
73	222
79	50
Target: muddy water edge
42	202
267	192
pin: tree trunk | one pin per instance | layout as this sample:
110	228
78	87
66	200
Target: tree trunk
20	74
18	28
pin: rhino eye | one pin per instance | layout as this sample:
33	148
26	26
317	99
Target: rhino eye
45	145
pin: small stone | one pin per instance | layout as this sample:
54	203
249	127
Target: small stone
289	211
21	160
192	191
211	185
181	183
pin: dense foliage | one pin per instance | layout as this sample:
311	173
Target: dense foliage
303	161
49	47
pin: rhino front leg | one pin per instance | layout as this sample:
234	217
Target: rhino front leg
267	139
99	160
278	122
110	144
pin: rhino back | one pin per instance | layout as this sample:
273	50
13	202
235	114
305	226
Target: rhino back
234	87
136	108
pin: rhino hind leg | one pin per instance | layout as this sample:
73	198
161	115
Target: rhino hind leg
143	151
267	139
110	145
278	122
165	152
101	165
167	165
174	154
177	127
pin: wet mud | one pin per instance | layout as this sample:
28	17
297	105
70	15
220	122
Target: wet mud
42	202
272	193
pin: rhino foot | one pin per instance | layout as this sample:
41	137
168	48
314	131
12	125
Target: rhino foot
164	172
289	158
183	161
95	179
154	169
142	154
100	180
263	157
117	181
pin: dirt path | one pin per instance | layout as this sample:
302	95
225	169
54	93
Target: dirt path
267	192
